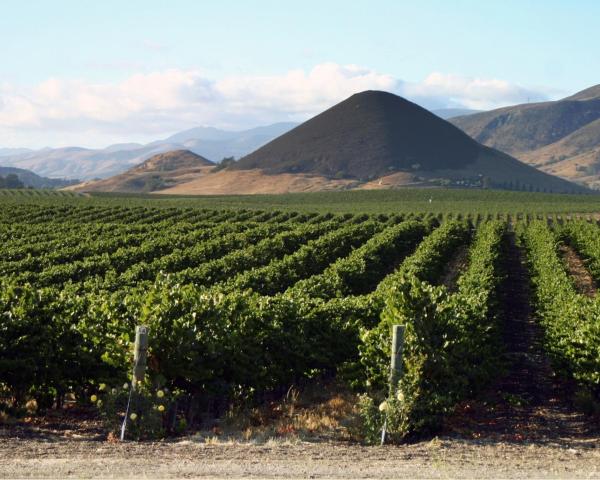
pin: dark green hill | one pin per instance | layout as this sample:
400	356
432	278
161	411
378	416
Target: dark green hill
373	134
366	136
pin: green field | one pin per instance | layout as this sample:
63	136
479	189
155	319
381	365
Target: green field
384	201
245	296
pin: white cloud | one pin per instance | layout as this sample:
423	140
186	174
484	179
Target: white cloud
155	104
470	92
303	92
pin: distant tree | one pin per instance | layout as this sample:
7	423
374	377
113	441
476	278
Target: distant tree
223	164
155	182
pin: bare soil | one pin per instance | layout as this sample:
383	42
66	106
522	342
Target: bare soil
63	457
584	282
226	182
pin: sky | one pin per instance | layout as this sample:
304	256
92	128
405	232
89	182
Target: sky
95	73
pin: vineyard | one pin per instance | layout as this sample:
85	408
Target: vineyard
242	303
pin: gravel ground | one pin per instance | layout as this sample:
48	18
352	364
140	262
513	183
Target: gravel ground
191	458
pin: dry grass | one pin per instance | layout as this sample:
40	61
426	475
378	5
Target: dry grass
318	412
303	435
246	182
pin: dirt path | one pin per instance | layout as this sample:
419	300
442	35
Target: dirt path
527	402
584	282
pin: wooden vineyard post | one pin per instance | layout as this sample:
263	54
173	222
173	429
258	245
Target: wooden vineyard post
396	359
140	354
395	367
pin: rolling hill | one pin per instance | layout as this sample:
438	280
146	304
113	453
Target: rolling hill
560	137
159	172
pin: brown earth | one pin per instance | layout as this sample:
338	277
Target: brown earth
228	182
158	172
242	182
198	458
584	282
573	167
136	182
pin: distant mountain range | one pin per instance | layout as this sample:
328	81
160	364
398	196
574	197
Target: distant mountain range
560	137
87	164
372	139
447	113
13	151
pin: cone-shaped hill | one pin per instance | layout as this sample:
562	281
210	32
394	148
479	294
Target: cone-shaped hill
161	171
376	134
366	136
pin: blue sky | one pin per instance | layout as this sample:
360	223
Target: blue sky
91	73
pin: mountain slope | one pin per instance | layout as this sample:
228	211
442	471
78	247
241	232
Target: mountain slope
30	179
530	126
561	137
161	171
374	134
590	93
